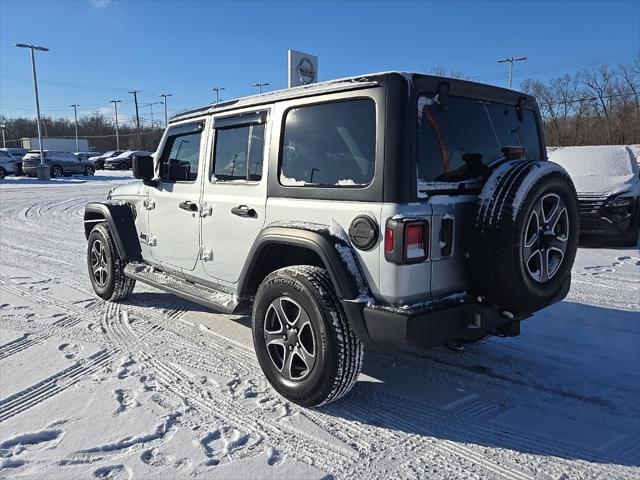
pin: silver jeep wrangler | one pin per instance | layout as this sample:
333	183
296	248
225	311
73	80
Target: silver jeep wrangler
398	210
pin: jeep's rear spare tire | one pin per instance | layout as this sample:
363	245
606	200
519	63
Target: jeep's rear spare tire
526	235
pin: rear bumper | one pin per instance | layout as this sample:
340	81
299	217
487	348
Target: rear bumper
435	323
30	171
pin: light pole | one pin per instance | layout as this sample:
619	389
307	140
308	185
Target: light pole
151	105
510	61
4	142
259	85
115	106
135	99
43	171
75	116
217	90
164	96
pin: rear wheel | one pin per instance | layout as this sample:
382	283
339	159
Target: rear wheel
56	171
302	337
89	170
123	166
3	173
106	268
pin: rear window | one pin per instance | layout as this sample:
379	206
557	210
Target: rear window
456	143
329	145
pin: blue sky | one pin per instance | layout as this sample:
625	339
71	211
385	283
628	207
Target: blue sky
100	49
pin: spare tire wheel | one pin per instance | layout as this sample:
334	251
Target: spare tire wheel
526	234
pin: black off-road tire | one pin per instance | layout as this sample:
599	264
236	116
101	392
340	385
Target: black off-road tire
338	358
116	285
504	213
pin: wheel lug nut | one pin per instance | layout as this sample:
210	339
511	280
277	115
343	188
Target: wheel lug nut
284	337
290	347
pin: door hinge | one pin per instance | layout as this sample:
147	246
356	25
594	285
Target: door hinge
206	254
149	204
206	210
151	241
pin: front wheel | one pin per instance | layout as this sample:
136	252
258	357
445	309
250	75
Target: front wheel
123	166
89	170
303	340
106	268
3	173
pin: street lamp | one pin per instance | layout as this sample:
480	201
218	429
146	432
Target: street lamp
115	106
43	171
75	116
164	96
259	85
217	90
510	61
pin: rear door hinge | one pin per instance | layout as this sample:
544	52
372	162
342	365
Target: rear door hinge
206	210
149	204
151	241
206	254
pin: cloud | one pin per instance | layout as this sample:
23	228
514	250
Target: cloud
100	3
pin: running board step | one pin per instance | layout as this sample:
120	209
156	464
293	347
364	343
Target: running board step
208	297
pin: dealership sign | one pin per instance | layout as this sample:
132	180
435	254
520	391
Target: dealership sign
303	68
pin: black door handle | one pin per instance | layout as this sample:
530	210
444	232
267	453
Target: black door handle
189	206
244	211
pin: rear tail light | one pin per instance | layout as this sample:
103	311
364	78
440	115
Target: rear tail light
406	240
414	246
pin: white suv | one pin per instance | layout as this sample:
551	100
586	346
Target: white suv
398	210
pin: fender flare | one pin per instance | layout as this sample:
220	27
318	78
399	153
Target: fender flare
336	255
119	217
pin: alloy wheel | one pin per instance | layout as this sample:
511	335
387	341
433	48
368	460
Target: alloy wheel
56	172
290	339
546	238
99	263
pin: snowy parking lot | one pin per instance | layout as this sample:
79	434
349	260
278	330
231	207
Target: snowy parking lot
157	387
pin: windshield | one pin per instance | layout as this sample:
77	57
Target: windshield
458	142
606	161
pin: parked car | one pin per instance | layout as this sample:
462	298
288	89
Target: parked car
124	160
17	154
60	163
86	155
398	210
608	185
99	159
7	165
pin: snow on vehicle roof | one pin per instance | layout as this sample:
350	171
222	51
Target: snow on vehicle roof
599	160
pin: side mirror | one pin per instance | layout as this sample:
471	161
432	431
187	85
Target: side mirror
142	166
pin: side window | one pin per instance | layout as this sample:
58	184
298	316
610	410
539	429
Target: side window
181	153
238	153
329	145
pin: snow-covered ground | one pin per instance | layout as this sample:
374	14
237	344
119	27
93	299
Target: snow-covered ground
156	387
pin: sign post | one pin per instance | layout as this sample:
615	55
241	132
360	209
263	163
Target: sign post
303	68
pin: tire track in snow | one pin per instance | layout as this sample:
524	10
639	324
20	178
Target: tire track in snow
326	457
20	344
52	385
